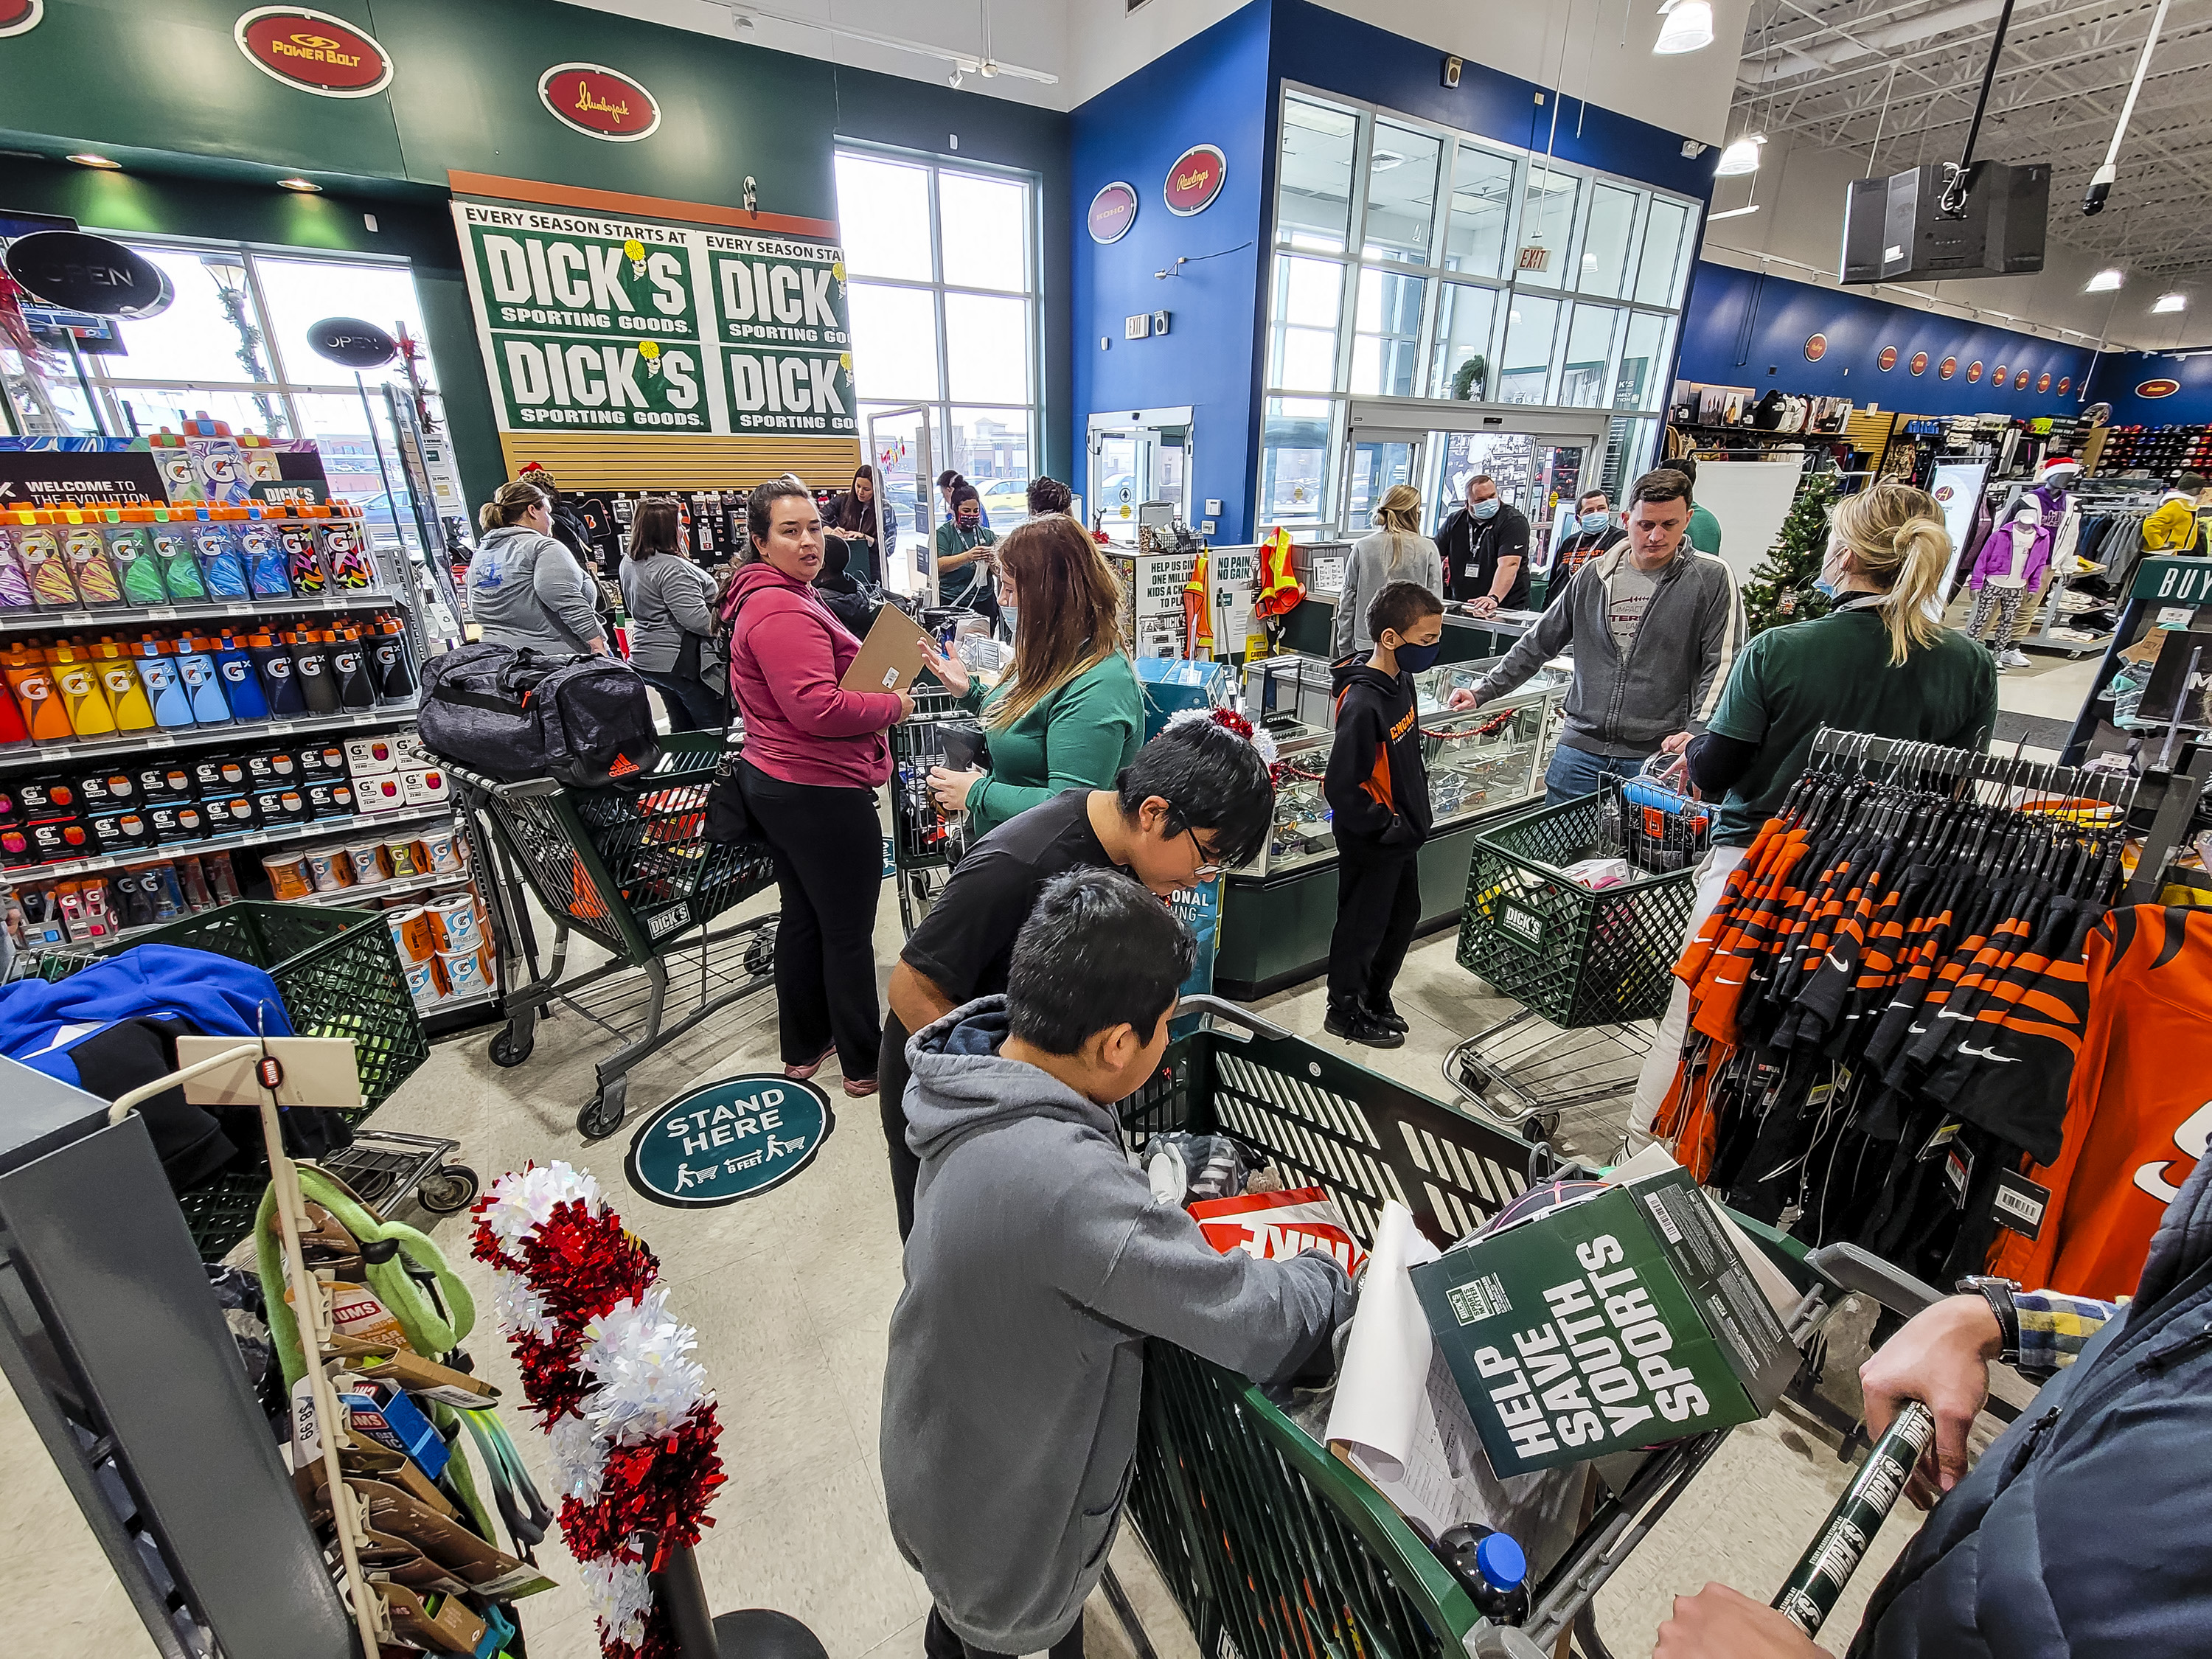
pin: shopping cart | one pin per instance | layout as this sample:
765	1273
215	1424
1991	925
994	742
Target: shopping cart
1270	1545
924	841
628	866
1592	968
339	977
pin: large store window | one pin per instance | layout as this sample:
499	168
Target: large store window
233	345
1411	261
944	297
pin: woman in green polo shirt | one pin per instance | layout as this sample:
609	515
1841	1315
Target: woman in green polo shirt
1880	661
1068	715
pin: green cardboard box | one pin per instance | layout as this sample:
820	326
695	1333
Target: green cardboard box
1630	1318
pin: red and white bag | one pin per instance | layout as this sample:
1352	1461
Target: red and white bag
1274	1225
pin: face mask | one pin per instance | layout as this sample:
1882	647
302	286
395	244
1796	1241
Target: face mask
1412	658
1592	524
1012	613
1484	509
1829	582
969	522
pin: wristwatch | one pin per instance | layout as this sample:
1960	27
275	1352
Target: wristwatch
1998	1292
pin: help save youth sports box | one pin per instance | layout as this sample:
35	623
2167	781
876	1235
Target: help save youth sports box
1629	1318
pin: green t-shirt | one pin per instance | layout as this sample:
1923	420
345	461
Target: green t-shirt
1078	737
1835	670
1704	531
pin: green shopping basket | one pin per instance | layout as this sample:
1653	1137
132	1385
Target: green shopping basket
339	977
1577	956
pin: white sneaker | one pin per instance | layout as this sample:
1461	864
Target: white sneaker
2015	658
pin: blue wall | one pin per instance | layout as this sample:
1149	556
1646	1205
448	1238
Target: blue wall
1743	328
2119	374
1224	87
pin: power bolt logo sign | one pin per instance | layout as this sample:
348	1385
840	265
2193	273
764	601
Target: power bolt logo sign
314	51
1919	364
599	102
736	1139
1816	347
1196	180
21	16
1947	368
2042	382
1888	360
2158	388
1973	371
1112	212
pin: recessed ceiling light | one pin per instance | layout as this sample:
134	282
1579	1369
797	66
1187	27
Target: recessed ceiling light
2170	302
305	186
86	158
2104	282
1383	160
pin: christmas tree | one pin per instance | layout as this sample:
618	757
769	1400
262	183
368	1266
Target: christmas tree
1781	586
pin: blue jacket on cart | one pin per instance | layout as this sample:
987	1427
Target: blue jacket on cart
2086	1530
1039	1262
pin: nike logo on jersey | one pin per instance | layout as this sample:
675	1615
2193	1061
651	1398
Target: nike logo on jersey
1988	1054
2194	1135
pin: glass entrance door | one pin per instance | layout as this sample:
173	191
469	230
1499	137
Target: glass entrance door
1378	460
1135	461
899	444
1541	476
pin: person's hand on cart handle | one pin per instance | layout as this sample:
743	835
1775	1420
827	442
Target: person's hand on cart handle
1719	1622
1941	1356
950	789
948	668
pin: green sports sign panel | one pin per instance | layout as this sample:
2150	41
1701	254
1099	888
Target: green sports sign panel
599	323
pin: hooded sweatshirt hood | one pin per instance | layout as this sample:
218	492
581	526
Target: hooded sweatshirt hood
1039	1261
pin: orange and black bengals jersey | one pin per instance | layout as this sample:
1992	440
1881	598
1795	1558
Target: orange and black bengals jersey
2139	1111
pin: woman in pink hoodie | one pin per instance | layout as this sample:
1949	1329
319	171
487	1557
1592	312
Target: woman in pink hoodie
814	754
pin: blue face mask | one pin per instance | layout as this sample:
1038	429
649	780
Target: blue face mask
1825	586
1484	509
1412	658
1592	524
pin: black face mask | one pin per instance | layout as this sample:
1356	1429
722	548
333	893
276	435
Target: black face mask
1412	658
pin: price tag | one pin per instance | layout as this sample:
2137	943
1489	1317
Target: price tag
160	613
238	610
276	727
53	752
76	619
159	740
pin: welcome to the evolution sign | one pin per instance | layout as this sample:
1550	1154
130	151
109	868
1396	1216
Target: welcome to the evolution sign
599	323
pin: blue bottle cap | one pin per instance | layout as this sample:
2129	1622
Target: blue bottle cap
1501	1563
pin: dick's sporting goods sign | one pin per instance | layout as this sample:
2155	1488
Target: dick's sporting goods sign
599	323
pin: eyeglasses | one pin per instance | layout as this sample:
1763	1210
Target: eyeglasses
1206	870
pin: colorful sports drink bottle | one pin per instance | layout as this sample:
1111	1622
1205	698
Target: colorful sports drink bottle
15	585
39	551
304	565
157	671
241	686
350	667
84	699
130	550
311	662
222	565
32	682
266	562
195	667
273	662
180	567
126	693
86	550
349	565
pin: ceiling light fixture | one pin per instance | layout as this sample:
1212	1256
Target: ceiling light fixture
1739	158
2166	302
1688	27
86	158
2104	281
742	21
1733	213
305	186
964	61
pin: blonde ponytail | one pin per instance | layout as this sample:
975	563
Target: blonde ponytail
1399	510
1896	538
513	500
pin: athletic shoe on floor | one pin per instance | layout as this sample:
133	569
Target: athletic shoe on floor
1384	1014
1355	1025
859	1087
800	1074
2015	658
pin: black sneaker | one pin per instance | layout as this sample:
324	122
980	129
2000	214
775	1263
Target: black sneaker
1387	1017
1355	1025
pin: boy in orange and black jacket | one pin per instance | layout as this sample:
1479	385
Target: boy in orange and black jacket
1378	792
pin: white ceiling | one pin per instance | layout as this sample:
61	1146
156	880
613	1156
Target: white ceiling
1831	72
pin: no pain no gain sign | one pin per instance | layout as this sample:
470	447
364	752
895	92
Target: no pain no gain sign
733	1140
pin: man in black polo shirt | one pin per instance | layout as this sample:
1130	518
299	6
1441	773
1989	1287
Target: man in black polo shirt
1485	545
1196	801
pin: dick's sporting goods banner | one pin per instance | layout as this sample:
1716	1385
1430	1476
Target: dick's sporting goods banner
597	323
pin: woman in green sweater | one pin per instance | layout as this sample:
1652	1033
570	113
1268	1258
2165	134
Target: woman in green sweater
1068	715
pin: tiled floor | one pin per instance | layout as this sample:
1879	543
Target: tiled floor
792	1294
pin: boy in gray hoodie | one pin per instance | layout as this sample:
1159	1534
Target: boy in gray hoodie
1039	1262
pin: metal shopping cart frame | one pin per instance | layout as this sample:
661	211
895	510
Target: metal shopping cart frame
628	867
1269	1544
922	843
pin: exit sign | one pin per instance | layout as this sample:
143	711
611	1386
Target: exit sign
1535	259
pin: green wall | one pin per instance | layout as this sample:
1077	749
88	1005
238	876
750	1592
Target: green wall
204	134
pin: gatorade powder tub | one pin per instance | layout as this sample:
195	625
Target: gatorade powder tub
130	550
86	549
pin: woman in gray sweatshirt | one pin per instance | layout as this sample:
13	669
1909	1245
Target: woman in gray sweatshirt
525	589
670	603
1396	552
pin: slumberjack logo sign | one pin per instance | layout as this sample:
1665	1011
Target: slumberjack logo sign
599	102
314	50
733	1140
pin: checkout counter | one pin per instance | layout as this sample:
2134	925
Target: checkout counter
1321	567
1483	764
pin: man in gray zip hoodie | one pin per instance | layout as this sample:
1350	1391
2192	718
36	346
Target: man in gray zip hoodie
1655	626
1039	1262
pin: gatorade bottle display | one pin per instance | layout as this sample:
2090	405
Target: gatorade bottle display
126	694
388	661
130	550
349	666
86	551
241	686
24	667
311	660
84	699
180	570
350	567
157	671
222	565
195	667
301	560
266	562
12	732
15	587
39	552
273	662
